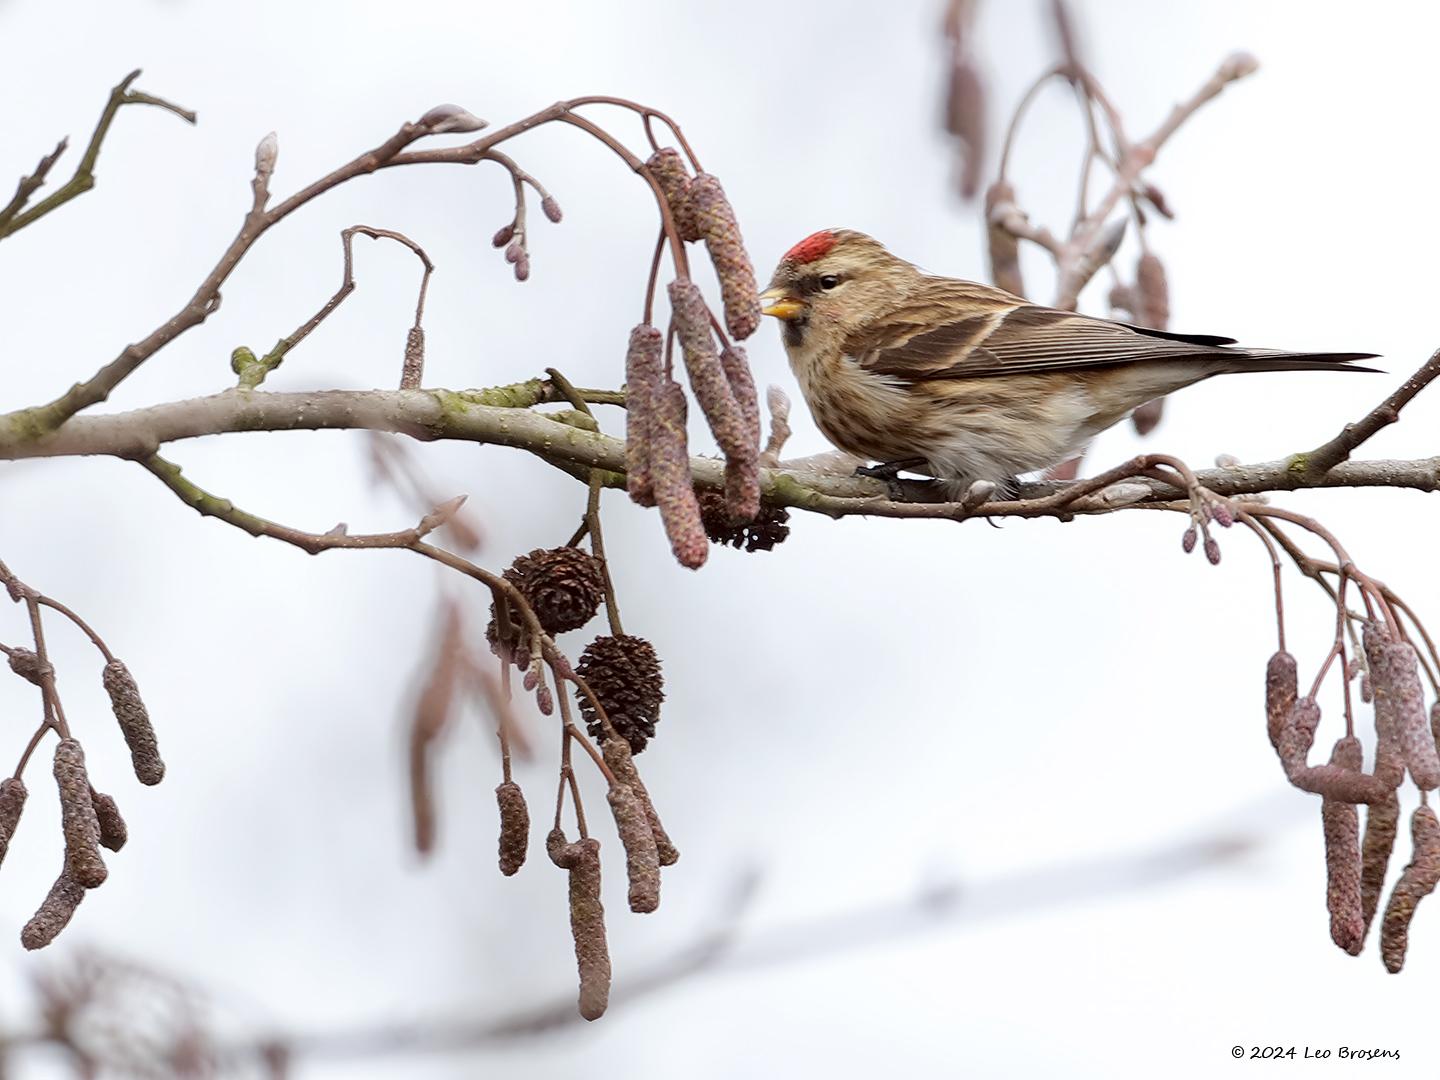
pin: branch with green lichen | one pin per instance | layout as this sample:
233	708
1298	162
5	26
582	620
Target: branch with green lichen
14	216
507	416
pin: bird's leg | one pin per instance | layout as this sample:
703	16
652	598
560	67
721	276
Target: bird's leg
888	473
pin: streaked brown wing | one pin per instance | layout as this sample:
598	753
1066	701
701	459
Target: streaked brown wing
1024	340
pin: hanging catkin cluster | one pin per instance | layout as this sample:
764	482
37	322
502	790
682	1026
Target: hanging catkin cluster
89	819
1405	745
657	445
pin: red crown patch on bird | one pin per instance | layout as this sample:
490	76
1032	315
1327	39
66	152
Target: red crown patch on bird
811	248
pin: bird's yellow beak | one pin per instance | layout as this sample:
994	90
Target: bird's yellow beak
775	302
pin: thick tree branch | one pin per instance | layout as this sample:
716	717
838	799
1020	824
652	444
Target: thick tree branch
502	416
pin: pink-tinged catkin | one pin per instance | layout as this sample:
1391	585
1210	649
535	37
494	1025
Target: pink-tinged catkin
55	912
1004	248
134	722
514	827
422	797
674	180
1389	752
113	830
1381	820
12	804
551	209
716	221
965	119
412	373
742	476
587	919
708	380
503	235
670	473
77	816
1341	822
1297	735
1152	293
1416	882
1281	687
644	370
621	763
642	858
1398	677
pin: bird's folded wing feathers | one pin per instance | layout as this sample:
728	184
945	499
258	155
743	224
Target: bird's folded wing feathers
1018	340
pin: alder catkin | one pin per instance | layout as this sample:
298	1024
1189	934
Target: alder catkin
1152	292
644	371
587	919
1416	882
55	912
113	830
1298	735
134	722
412	373
1341	822
26	664
708	378
670	473
77	816
621	763
674	179
1281	688
1398	677
715	219
1381	820
12	804
742	475
642	858
514	827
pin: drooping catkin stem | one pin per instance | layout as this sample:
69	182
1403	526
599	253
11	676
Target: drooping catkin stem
1416	882
514	827
642	859
587	919
12	804
134	722
55	911
1342	854
622	764
77	816
715	219
670	470
1281	688
644	371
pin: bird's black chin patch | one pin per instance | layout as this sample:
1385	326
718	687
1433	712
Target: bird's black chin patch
793	332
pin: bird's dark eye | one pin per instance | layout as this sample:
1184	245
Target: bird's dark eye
829	281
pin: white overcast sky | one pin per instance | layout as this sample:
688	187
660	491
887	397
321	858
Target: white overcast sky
874	708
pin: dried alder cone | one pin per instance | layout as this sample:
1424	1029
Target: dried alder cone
769	527
565	587
623	671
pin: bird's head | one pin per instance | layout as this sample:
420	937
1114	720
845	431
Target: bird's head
833	282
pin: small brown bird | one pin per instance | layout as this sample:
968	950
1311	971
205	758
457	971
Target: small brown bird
966	381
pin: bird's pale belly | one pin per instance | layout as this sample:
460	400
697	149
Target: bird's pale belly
967	429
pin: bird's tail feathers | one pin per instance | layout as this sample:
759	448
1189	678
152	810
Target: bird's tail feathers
1276	360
